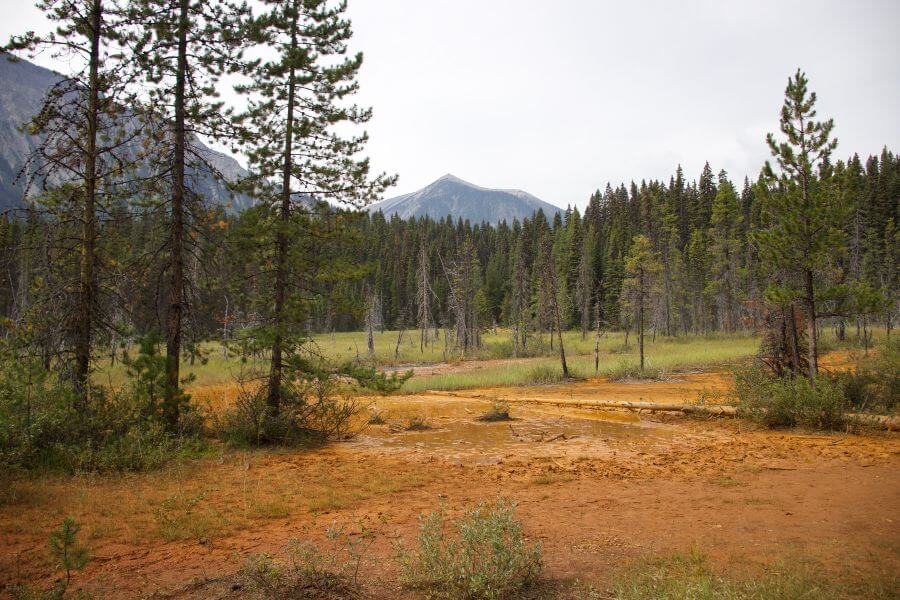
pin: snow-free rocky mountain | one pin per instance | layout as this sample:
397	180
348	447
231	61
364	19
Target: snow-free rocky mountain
460	199
22	88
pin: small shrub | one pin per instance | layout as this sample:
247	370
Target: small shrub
486	557
789	401
309	572
416	423
873	386
376	418
499	411
544	374
311	412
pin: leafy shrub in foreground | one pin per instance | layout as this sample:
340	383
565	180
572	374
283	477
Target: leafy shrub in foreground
499	411
312	572
789	401
485	557
873	386
41	426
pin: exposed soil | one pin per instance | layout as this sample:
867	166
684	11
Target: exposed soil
596	488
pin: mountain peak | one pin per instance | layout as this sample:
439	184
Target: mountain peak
450	178
464	200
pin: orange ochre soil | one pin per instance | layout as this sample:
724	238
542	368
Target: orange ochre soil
597	488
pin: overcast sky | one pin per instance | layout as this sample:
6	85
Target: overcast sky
559	97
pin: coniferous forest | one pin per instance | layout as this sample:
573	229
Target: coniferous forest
215	332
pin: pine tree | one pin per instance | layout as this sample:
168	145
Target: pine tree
725	251
82	128
179	49
296	102
803	236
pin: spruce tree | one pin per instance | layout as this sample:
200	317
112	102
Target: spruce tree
725	252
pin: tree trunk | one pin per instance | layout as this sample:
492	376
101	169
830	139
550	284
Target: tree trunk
811	325
597	340
276	368
84	324
793	337
176	263
641	330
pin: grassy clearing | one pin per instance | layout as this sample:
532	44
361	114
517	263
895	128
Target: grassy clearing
217	368
690	577
666	354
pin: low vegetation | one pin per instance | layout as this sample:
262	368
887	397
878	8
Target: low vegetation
789	401
483	555
498	411
416	423
68	554
871	386
44	426
690	577
310	413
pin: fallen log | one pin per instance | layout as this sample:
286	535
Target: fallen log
715	410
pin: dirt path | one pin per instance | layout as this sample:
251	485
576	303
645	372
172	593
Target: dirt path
596	489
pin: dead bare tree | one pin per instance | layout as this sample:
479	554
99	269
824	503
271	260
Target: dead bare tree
552	279
373	318
466	299
423	296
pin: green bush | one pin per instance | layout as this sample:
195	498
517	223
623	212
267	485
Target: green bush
43	427
315	573
789	401
499	411
486	557
874	385
310	413
631	371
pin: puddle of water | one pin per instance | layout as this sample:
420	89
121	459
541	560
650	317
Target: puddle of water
456	435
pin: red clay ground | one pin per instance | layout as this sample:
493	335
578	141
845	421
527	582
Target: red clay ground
608	491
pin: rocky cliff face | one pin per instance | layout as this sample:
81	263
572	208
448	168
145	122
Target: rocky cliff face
22	88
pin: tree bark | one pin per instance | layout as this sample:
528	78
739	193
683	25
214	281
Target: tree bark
84	324
276	367
811	325
176	263
641	319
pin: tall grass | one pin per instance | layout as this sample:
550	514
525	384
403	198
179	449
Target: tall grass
666	355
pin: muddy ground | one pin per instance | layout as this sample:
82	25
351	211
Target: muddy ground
597	488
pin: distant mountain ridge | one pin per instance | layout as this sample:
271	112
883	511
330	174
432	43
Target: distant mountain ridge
460	199
22	88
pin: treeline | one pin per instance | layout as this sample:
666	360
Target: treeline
710	277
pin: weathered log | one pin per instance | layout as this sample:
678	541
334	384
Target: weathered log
718	410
